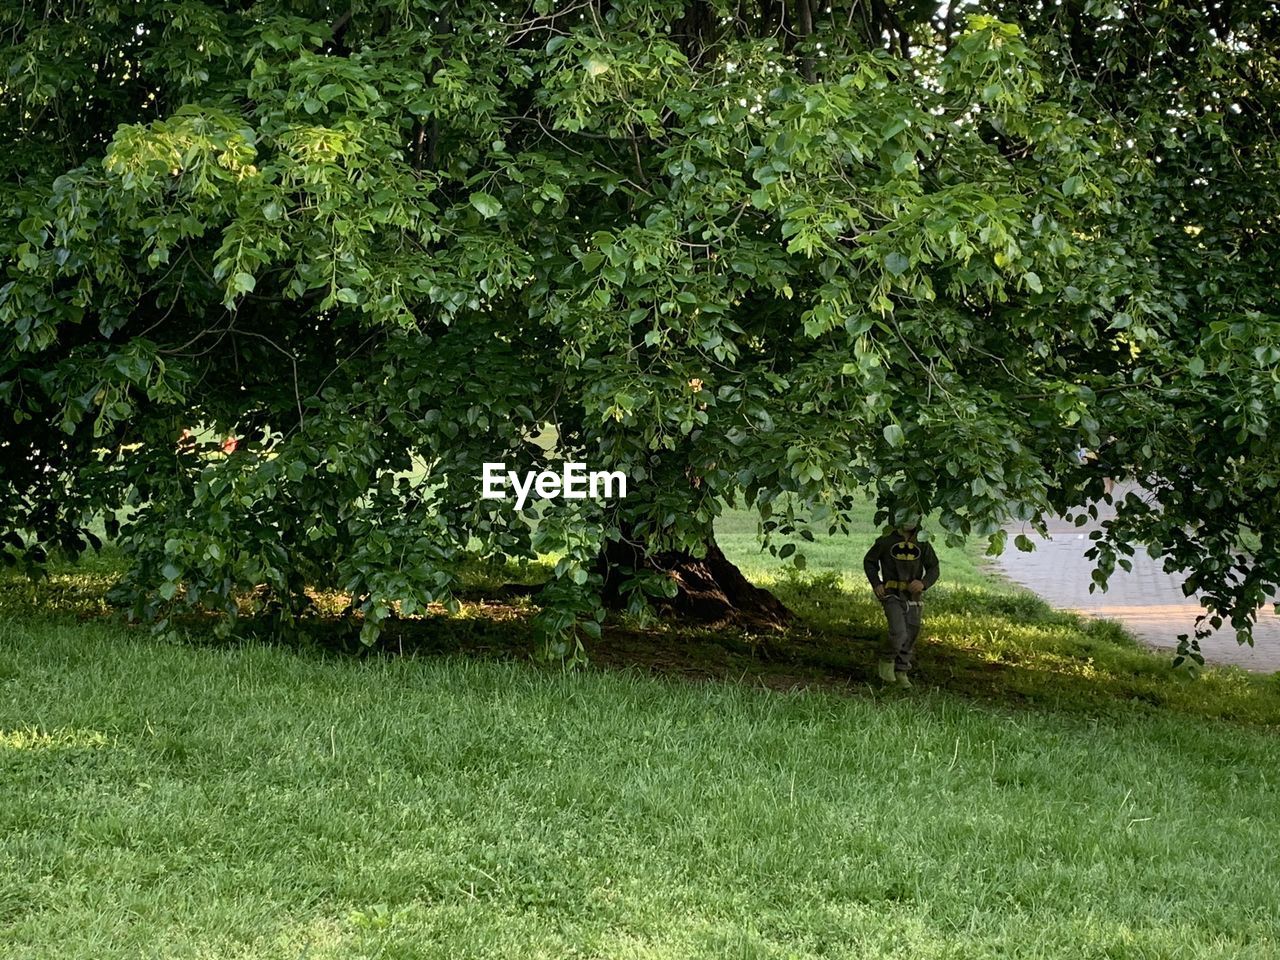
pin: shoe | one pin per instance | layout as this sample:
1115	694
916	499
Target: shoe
903	680
885	669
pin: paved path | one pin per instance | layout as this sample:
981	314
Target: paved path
1148	601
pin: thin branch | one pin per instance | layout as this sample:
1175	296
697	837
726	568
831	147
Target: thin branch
297	395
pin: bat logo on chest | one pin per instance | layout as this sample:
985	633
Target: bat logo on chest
904	550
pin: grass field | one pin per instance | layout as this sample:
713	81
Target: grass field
1050	790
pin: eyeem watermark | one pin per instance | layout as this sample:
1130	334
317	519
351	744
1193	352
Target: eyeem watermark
572	483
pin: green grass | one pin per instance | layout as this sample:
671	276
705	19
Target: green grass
174	801
1049	790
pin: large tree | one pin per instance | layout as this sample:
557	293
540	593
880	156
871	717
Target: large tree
767	252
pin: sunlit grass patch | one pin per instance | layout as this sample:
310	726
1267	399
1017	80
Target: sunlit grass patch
33	738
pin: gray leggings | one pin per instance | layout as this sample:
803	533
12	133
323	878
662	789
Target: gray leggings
904	626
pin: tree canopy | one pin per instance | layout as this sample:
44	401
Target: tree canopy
753	252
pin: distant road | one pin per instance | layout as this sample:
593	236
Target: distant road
1148	601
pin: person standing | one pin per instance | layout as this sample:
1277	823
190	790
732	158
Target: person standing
900	569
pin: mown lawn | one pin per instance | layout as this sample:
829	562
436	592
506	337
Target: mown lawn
1049	790
161	800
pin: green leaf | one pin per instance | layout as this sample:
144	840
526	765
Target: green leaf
996	542
896	263
893	128
893	435
488	205
243	283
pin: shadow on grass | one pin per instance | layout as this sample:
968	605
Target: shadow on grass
992	644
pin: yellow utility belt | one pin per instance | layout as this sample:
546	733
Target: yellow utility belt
897	584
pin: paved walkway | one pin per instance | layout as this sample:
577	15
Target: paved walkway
1148	601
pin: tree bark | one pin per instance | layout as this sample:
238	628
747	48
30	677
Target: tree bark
711	589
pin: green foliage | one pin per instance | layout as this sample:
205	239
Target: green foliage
741	259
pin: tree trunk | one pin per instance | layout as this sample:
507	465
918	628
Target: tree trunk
712	590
